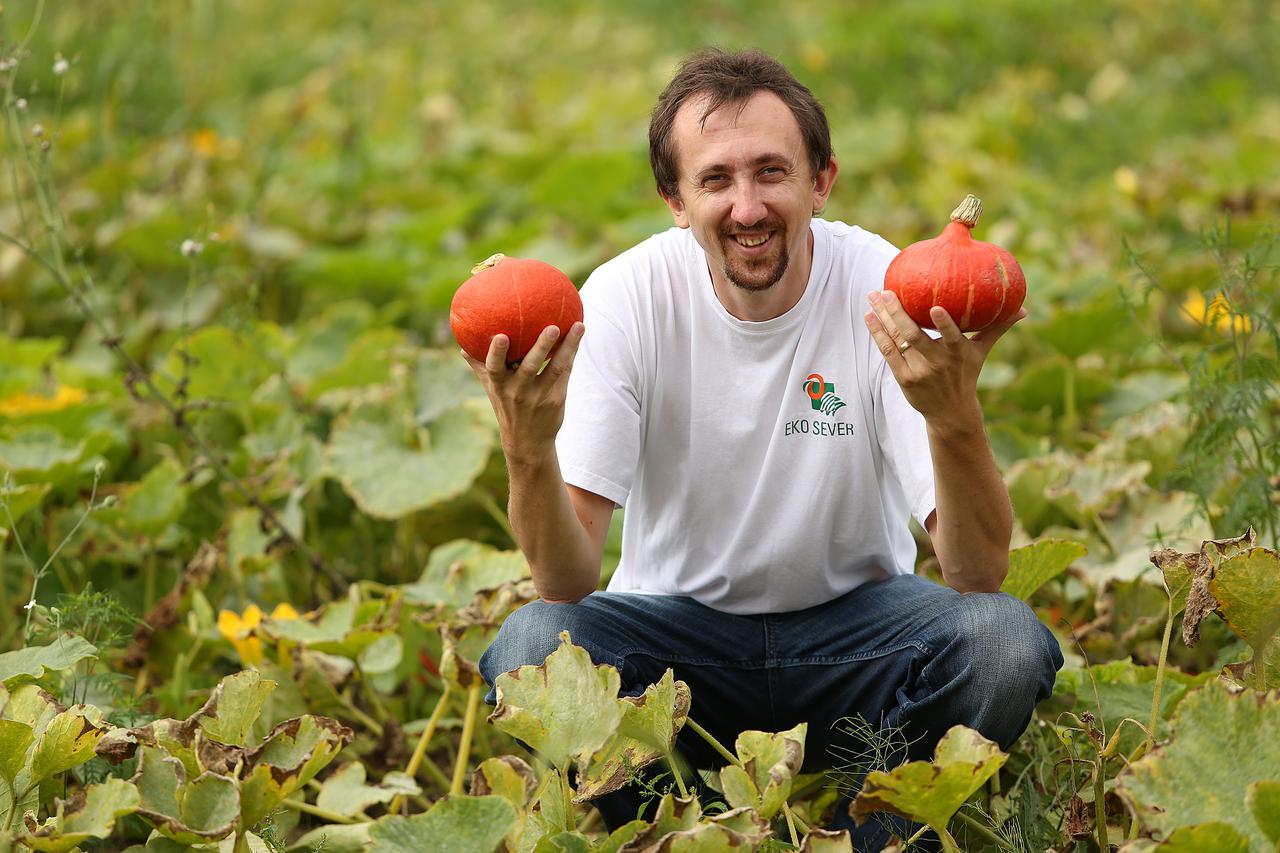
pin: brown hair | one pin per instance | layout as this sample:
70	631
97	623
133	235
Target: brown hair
732	78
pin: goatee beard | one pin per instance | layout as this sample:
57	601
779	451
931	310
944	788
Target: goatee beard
757	283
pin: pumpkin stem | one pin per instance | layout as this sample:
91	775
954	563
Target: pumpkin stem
968	212
493	261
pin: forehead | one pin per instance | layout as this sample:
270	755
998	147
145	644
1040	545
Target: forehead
735	132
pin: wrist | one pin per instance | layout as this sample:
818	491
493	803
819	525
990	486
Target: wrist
524	461
965	424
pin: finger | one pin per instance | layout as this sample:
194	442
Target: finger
496	360
986	339
562	361
900	325
538	353
951	334
884	342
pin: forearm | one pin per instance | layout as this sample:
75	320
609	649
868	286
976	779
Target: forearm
562	554
974	520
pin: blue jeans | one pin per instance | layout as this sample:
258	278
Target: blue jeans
903	653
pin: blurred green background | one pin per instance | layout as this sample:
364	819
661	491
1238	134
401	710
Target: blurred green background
344	165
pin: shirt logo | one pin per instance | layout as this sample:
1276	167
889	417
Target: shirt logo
822	395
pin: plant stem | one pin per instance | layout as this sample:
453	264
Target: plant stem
715	744
419	751
1100	803
464	748
675	771
1164	655
324	814
570	819
791	823
982	831
490	506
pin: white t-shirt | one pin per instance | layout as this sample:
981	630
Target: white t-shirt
764	466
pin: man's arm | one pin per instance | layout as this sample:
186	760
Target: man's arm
973	522
560	529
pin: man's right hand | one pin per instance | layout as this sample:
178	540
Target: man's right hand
528	399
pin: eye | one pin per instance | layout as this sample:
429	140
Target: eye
715	180
772	172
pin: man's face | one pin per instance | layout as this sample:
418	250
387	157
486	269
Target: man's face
746	187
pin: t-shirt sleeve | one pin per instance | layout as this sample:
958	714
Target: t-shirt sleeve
599	442
904	441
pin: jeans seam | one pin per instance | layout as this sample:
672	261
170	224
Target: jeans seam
739	664
867	655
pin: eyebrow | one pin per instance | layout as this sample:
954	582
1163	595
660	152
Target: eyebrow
762	160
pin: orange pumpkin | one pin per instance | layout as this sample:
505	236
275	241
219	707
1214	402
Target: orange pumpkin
979	284
517	297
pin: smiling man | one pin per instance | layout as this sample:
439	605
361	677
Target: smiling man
771	420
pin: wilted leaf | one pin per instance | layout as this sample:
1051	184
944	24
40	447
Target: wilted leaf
1247	589
91	813
673	815
233	707
770	763
390	475
454	824
650	723
1220	745
826	841
564	708
294	752
62	654
67	741
346	793
1032	566
932	792
186	812
1188	577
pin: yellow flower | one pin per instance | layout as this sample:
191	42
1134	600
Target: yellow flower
27	403
240	629
1216	313
204	142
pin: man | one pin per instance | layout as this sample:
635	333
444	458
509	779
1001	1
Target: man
770	417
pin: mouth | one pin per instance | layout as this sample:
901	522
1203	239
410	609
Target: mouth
753	240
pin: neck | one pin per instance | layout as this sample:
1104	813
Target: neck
760	305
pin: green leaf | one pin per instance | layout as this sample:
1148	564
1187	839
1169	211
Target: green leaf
1263	800
21	500
335	838
650	723
346	793
15	739
382	655
233	707
31	662
451	825
225	364
154	503
1220	745
294	752
1125	689
932	792
565	708
370	360
1032	566
390	474
91	813
1205	838
1246	587
442	381
457	570
770	763
186	812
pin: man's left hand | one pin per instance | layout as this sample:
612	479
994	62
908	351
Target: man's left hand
938	377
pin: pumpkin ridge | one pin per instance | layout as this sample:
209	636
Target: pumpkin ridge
1004	290
519	303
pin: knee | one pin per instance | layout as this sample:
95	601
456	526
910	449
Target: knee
528	635
1013	651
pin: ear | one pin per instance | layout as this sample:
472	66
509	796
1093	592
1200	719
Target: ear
822	185
676	206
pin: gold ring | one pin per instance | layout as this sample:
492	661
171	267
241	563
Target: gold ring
903	346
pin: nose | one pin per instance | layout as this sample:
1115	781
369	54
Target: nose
748	208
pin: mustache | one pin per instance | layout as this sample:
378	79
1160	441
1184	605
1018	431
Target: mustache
762	225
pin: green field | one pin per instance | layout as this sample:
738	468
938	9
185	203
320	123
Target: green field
229	235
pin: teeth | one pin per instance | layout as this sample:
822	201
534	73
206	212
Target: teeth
752	241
